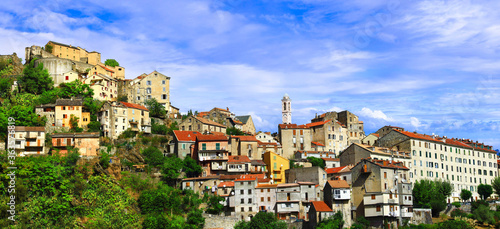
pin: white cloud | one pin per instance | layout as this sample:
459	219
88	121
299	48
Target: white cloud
377	114
415	122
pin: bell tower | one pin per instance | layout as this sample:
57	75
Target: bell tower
286	109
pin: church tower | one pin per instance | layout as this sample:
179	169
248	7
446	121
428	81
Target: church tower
286	109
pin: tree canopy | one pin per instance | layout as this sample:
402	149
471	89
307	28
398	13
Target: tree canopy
484	190
495	184
431	194
316	162
111	63
155	108
234	131
35	80
465	194
262	220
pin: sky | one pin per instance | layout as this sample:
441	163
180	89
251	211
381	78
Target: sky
426	66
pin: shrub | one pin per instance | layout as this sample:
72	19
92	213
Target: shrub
478	203
127	134
483	214
456	204
458	213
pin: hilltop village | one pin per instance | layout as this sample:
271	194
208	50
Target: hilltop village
66	101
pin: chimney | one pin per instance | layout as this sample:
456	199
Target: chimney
227	108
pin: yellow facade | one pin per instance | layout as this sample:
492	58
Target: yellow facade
74	53
277	165
155	85
63	115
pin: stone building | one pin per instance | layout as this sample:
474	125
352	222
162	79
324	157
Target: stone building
288	201
202	125
332	134
340	173
337	196
246	146
371	139
314	174
266	197
147	86
381	192
202	185
226	189
464	163
29	140
212	153
247	124
183	143
317	154
271	147
294	137
86	142
49	111
355	127
70	52
116	117
356	152
318	212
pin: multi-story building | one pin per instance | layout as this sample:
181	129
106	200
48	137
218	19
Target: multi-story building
266	197
294	137
29	140
375	189
332	134
464	163
246	146
245	198
355	128
337	196
288	201
116	117
277	165
314	174
183	143
316	146
105	87
86	142
211	152
147	86
202	185
226	189
66	108
331	162
74	53
247	124
355	152
239	164
271	147
202	125
258	166
317	154
340	173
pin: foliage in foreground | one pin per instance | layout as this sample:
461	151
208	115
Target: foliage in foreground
262	220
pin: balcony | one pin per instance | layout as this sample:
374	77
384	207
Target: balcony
406	214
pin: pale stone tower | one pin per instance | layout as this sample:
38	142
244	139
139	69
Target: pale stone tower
286	109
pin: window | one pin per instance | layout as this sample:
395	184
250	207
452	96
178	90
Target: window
148	82
378	208
373	197
249	190
148	90
163	82
204	147
242	192
268	199
242	209
249	200
164	96
385	175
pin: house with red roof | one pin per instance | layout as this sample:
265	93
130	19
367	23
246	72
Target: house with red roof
183	143
462	162
382	192
337	196
239	164
331	162
245	146
116	117
340	173
266	197
318	212
211	152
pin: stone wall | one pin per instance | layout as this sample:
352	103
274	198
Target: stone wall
421	215
16	63
216	221
36	52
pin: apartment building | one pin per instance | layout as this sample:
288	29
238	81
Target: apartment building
293	138
245	198
382	192
74	53
86	142
337	196
211	152
464	163
355	127
331	134
277	165
29	140
147	86
266	197
105	87
245	146
183	143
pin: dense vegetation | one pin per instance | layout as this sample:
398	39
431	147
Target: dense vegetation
431	194
111	62
262	220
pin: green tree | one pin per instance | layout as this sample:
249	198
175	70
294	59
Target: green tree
431	194
123	98
191	167
262	220
484	215
155	108
214	205
334	222
171	170
153	156
5	87
195	219
94	126
316	162
484	190
465	194
104	160
111	62
73	122
234	131
495	184
49	48
35	80
75	89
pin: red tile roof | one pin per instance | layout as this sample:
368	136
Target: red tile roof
320	206
317	143
292	126
263	180
266	186
226	183
106	68
135	106
238	160
309	125
218	133
186	136
335	170
457	143
376	135
338	184
209	122
285	185
246	179
330	159
245	138
418	136
233	177
202	114
388	164
211	138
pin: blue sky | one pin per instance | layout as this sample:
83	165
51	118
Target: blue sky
429	66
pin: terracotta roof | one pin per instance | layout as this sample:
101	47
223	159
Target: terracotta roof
135	106
330	159
388	164
209	122
263	180
226	183
267	143
246	179
226	110
320	206
30	128
376	135
211	138
186	136
361	122
76	135
457	143
341	169
238	176
106	68
238	160
317	123
338	184
258	162
204	113
287	185
217	133
266	186
237	122
292	126
61	44
418	136
317	143
246	138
